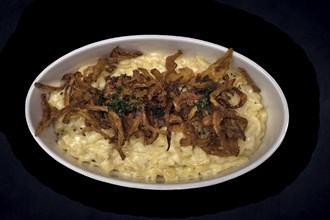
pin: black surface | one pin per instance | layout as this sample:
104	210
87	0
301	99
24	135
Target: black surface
291	184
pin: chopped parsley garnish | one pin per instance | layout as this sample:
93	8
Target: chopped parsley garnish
114	96
158	111
204	103
206	78
208	91
101	100
121	106
117	104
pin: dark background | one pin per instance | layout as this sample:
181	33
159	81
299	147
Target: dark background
304	196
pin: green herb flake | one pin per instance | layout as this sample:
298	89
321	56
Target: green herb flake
114	96
121	106
158	111
208	91
206	78
203	102
101	100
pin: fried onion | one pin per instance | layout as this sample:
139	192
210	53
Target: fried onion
151	103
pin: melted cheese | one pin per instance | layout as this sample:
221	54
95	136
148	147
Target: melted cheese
154	162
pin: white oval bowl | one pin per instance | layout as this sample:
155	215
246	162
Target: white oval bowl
272	95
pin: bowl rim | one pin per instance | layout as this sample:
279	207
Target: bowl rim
160	186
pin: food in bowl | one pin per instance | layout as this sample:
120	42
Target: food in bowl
156	117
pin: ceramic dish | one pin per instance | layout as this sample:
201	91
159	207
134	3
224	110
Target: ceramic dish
272	96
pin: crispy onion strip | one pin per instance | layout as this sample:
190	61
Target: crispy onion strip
152	103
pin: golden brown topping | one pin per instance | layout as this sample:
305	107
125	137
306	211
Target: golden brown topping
48	88
217	70
249	80
46	114
149	104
